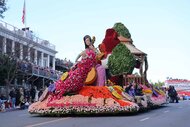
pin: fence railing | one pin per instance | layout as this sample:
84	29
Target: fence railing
40	71
27	34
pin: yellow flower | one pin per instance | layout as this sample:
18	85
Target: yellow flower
64	76
115	94
118	87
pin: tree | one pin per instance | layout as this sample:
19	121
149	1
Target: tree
3	7
7	69
157	84
10	64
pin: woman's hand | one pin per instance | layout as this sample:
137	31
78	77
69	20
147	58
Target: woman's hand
83	54
92	47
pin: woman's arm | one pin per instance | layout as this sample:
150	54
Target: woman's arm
82	54
79	55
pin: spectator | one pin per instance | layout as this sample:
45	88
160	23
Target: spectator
27	94
17	98
138	90
33	94
12	95
22	100
130	89
172	93
3	100
40	93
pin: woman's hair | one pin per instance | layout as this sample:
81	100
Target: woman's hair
85	37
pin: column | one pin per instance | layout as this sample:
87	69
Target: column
13	48
48	57
21	52
53	64
4	45
29	53
35	56
42	59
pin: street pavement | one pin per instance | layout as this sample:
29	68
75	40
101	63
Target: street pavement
170	115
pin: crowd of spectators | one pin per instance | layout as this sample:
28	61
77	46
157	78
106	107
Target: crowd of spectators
63	63
30	67
19	97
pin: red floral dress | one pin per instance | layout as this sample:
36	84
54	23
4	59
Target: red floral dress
76	78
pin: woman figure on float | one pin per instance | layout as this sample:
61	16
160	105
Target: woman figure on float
78	73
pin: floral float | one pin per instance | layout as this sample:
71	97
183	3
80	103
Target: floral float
84	90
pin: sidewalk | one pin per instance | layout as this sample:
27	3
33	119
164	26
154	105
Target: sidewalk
11	109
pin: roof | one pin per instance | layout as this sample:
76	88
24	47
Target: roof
134	50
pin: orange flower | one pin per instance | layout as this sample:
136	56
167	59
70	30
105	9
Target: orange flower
96	92
124	103
102	92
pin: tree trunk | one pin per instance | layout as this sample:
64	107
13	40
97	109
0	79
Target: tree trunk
7	88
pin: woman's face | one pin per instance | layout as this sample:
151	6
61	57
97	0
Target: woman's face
87	41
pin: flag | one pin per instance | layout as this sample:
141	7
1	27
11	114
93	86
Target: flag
23	13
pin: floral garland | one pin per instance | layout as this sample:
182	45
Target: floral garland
79	104
90	100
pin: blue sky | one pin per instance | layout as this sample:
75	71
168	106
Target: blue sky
160	28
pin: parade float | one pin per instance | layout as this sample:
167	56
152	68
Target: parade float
96	84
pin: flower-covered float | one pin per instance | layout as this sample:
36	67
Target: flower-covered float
96	84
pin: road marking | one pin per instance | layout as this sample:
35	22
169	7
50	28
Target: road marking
144	119
166	111
43	123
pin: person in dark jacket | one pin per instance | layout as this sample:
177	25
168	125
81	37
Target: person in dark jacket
12	95
17	97
172	93
33	94
138	90
40	93
130	90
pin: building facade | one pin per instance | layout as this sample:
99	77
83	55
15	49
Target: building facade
36	56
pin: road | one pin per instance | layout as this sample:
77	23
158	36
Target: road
171	115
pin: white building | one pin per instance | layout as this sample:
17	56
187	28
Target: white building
25	46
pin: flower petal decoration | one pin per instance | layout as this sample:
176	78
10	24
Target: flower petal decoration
64	76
